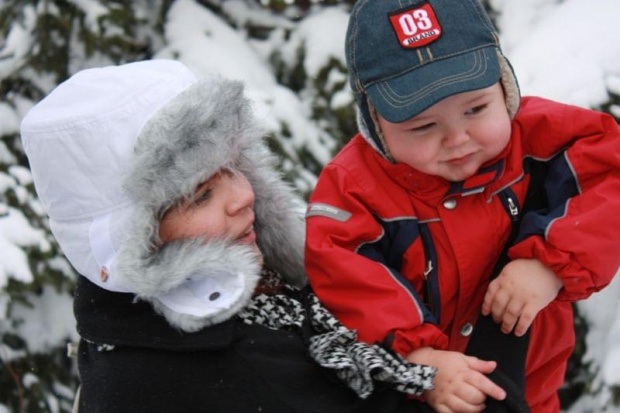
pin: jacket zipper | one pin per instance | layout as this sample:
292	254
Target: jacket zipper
514	211
430	282
511	205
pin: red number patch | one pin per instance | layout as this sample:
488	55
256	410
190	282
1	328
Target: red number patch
416	27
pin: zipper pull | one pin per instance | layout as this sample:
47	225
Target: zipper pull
429	268
514	211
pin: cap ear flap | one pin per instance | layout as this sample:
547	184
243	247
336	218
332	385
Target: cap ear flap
511	86
368	125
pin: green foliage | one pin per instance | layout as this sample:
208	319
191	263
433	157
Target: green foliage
65	37
62	38
37	382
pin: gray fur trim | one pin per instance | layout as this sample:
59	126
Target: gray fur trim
205	128
188	140
279	224
151	271
233	258
177	261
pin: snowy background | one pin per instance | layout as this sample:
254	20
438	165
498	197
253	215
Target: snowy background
291	56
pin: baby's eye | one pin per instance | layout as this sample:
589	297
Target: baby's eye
476	109
423	128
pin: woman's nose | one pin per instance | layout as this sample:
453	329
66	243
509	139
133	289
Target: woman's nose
241	196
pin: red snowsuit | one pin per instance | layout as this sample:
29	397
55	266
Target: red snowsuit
405	258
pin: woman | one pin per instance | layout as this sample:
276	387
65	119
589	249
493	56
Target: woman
163	196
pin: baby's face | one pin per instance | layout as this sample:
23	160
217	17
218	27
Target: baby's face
454	137
220	208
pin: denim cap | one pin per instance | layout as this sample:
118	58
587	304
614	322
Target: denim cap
407	55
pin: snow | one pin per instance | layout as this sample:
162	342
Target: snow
16	45
15	234
16	229
48	322
244	15
29	379
93	11
322	35
206	44
23	175
563	50
10	120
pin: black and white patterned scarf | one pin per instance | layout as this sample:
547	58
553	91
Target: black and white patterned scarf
332	345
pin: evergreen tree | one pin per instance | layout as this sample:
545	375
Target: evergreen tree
42	42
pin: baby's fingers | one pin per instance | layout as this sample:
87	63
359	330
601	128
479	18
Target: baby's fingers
486	386
498	306
511	315
525	320
456	404
488	298
471	394
481	366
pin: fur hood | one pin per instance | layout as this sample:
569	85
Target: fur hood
207	127
111	149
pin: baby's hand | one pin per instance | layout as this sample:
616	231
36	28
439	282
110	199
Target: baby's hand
460	383
522	289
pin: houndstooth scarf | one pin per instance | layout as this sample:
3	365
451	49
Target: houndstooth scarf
332	345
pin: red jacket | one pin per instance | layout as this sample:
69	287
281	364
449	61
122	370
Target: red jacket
405	258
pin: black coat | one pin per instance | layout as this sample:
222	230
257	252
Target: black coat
230	367
131	360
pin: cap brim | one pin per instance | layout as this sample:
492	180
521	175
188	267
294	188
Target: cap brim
401	98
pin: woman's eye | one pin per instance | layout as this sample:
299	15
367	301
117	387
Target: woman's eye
475	109
203	197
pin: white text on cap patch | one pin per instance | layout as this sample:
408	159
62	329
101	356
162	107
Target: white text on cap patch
416	26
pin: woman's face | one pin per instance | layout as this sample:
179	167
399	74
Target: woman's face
220	208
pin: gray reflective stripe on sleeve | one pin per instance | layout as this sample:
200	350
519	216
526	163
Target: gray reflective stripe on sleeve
324	210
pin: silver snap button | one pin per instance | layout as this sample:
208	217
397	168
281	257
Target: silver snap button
214	296
466	329
449	203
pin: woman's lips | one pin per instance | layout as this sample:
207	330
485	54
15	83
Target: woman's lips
249	237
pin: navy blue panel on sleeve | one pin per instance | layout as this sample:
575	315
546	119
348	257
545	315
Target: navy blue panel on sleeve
398	235
560	185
